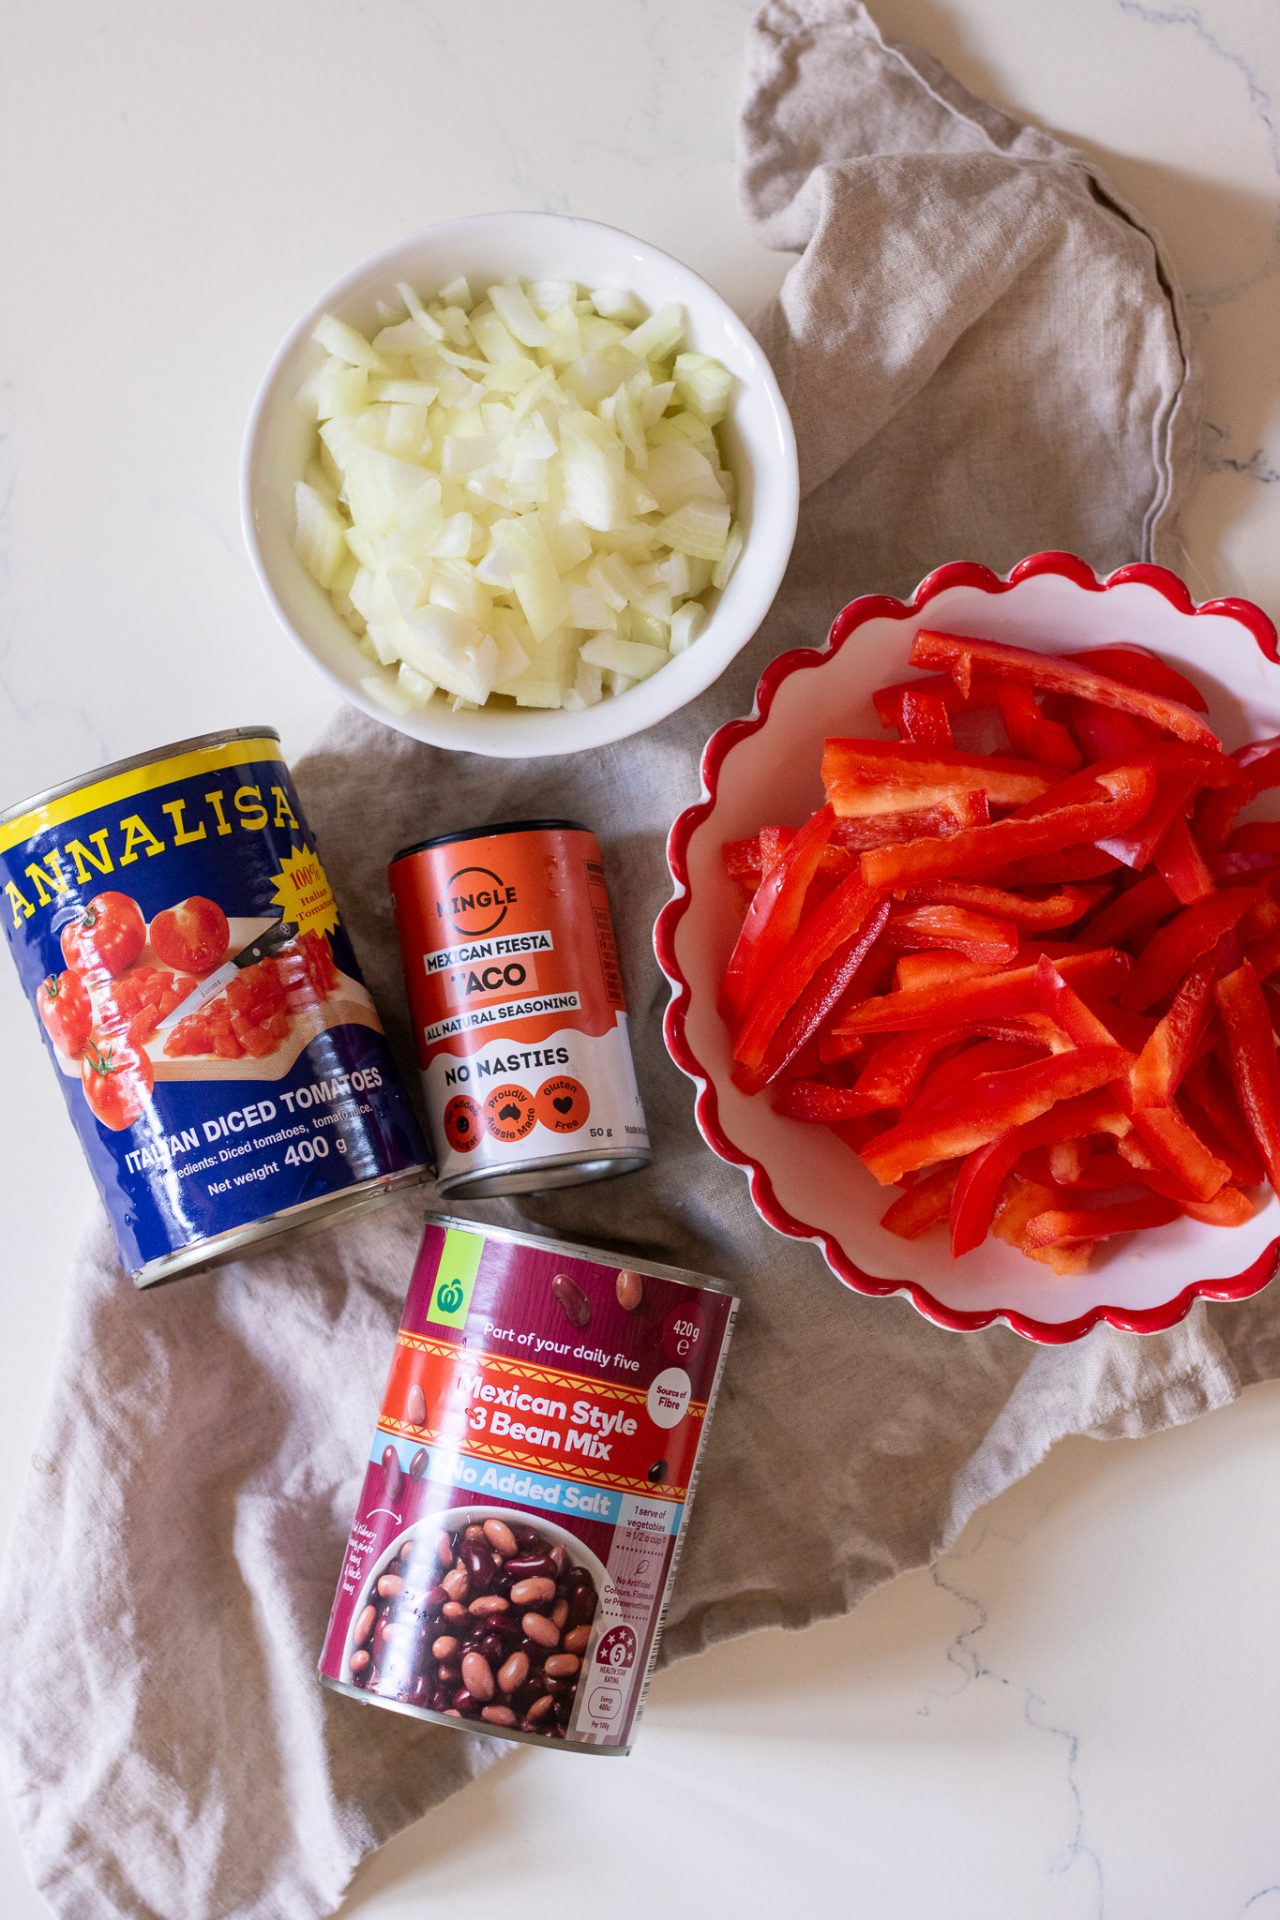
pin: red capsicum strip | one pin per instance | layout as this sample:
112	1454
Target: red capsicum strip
1171	952
1140	905
1182	864
1059	909
1251	1055
961	656
1060	1227
1030	733
1160	1068
842	916
985	1171
989	1105
823	994
922	1206
1258	764
774	913
884	776
954	930
1179	1147
986	996
1139	667
925	721
1210	1100
1124	795
1082	1026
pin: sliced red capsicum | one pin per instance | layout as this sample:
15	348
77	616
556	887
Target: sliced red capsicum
989	1105
1123	796
1031	733
1251	1057
954	930
922	1206
886	776
1065	1227
1178	1146
1139	667
842	917
1082	1026
984	1172
1161	1066
1059	909
925	721
961	657
833	980
1174	949
1140	905
1211	1102
1181	863
774	913
983	997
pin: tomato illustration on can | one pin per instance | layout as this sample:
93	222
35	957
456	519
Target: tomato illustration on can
518	1008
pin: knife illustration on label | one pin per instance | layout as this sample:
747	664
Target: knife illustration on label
214	983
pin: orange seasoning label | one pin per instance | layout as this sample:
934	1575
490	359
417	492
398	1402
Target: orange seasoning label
516	995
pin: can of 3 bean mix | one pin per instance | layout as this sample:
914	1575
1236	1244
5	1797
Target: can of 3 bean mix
222	1061
528	1487
518	1009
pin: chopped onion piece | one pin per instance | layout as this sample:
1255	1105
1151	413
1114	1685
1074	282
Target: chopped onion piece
385	692
699	527
728	559
511	304
687	623
610	650
657	336
319	534
615	304
704	386
344	343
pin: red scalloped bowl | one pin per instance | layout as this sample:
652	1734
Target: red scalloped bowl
804	1182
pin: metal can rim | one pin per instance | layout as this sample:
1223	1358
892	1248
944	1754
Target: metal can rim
225	737
489	832
603	1256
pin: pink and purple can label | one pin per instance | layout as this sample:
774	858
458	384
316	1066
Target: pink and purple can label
527	1489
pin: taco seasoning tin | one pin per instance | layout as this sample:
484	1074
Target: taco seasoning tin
222	1061
518	1010
527	1488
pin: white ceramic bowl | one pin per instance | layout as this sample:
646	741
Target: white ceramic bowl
758	439
803	1180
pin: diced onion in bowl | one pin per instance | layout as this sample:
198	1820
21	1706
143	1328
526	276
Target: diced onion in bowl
517	496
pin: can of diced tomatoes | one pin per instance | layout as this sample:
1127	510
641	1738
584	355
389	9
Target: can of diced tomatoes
518	1009
222	1061
527	1488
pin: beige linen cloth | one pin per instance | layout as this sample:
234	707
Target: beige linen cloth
983	356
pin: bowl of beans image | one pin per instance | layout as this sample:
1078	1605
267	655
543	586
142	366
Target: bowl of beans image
478	1614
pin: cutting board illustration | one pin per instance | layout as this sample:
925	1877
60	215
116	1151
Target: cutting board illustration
348	1004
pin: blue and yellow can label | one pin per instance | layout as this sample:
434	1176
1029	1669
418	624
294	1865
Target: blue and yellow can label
178	936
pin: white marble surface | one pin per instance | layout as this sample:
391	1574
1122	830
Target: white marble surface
1072	1717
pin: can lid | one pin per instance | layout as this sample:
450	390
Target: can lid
198	742
490	832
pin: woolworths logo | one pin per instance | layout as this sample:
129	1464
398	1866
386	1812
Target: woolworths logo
455	1278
